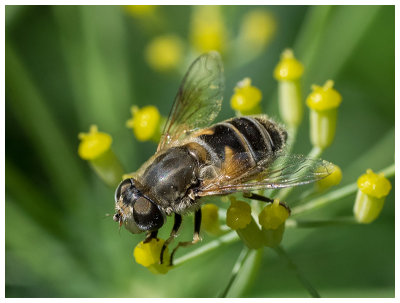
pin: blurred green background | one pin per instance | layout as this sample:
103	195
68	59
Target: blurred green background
68	67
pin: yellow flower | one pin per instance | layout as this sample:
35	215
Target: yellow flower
210	222
257	29
140	10
323	103
93	144
273	215
272	219
247	98
164	52
207	31
289	68
145	123
238	215
239	218
372	191
331	180
148	255
95	147
288	73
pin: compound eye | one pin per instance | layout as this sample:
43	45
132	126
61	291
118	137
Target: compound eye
147	215
122	187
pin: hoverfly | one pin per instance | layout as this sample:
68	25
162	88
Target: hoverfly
195	160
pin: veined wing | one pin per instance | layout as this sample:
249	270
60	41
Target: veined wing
284	171
198	100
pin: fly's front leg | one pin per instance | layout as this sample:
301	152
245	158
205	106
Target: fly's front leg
261	198
150	236
196	235
172	235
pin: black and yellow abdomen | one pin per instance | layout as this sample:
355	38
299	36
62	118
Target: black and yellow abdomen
249	140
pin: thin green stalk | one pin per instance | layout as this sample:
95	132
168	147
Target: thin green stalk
247	270
238	265
223	240
320	223
307	285
336	195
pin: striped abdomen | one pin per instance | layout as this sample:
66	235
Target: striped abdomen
241	143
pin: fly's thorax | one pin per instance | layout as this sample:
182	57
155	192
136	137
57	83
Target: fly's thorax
172	174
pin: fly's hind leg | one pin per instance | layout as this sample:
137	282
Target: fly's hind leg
196	235
172	235
261	198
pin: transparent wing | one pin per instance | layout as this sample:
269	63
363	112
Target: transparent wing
284	171
198	100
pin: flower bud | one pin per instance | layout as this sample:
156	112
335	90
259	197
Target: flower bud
210	221
148	255
246	99
331	180
239	218
95	147
207	30
323	103
288	73
372	191
146	123
165	53
257	29
272	219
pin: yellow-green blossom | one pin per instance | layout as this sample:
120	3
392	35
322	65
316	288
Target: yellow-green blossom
272	219
246	99
148	255
273	215
323	103
207	30
239	218
288	73
95	147
164	53
93	144
331	180
238	215
372	191
140	10
257	29
146	123
289	68
210	221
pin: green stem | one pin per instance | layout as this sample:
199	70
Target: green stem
223	240
337	194
320	223
246	268
238	265
307	285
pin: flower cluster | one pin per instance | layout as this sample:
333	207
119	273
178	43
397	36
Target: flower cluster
207	31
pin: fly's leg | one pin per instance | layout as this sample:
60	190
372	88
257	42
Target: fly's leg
150	236
196	235
173	234
261	198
